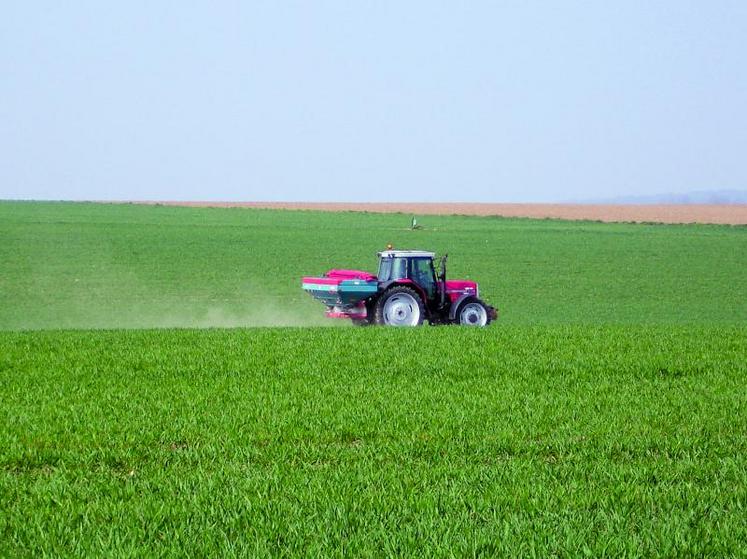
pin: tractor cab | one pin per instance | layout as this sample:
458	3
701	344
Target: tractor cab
409	265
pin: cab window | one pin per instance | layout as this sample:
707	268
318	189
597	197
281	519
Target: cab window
399	268
422	274
385	269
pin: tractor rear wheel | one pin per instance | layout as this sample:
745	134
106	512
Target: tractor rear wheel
400	306
473	312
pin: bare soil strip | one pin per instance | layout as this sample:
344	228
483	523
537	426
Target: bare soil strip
732	214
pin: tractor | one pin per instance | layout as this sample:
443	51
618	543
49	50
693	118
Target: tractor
405	292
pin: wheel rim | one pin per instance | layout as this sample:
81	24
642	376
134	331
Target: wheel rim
473	314
401	309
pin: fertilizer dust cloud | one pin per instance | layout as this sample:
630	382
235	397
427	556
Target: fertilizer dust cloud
189	313
103	286
160	315
113	299
217	317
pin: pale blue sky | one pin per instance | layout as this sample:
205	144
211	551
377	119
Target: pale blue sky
363	101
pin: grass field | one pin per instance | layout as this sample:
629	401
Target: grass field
103	266
604	414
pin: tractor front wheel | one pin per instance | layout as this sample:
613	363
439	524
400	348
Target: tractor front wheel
473	312
400	306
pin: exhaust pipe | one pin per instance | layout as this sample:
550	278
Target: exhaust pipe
443	280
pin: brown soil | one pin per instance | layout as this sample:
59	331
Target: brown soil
734	214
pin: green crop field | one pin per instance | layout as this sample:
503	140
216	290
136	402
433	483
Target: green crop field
142	412
104	266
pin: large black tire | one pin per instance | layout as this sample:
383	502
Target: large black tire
472	312
399	306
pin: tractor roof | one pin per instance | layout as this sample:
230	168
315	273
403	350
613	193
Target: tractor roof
406	253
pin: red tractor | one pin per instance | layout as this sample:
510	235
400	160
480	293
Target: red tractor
405	292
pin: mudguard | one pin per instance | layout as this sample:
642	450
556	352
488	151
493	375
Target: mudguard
456	304
492	311
383	286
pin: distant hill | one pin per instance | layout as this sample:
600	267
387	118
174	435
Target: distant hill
696	197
